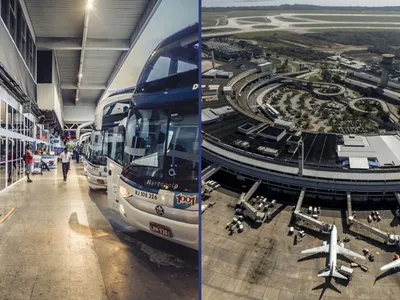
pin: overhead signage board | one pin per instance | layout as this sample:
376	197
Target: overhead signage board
26	108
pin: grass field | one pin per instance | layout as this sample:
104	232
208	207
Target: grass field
287	19
209	20
266	12
244	22
248	13
263	26
254	35
285	36
220	30
213	20
345	25
296	66
315	78
395	31
260	20
276	62
272	45
365	18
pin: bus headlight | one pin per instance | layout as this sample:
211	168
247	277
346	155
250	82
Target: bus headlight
124	192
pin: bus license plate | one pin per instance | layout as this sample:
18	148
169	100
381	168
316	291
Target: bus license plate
161	229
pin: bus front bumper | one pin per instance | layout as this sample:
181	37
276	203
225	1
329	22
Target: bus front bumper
96	182
182	233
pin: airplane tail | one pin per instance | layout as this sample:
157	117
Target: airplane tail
334	274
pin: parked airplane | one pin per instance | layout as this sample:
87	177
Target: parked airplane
333	249
391	265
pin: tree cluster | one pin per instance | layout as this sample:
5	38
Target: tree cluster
380	41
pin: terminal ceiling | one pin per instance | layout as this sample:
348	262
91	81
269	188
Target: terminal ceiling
94	42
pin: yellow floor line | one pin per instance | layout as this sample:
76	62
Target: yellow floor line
7	215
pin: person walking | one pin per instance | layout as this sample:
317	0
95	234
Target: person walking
28	162
77	155
65	160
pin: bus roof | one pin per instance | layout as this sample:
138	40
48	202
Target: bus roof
128	90
173	88
184	94
191	29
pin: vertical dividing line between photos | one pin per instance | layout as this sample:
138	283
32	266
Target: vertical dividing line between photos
199	164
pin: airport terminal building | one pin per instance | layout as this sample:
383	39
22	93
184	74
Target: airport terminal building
328	165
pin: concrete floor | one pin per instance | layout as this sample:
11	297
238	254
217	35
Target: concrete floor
63	243
265	263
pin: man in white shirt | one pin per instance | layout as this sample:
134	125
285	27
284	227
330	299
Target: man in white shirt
65	159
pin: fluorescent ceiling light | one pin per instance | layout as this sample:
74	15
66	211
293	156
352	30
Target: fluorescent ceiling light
90	4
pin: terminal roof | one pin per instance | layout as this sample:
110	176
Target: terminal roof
385	149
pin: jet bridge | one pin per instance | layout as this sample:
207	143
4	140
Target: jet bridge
349	208
324	228
252	190
300	200
209	171
248	210
389	239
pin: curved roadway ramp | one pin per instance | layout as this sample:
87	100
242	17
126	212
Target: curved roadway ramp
243	105
384	106
352	104
341	88
63	243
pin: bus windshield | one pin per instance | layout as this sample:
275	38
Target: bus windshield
171	66
162	144
118	108
97	149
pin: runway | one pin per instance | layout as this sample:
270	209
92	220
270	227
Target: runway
239	26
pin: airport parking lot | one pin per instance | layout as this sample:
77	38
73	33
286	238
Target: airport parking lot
263	263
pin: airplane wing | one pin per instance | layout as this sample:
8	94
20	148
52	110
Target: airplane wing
391	265
348	252
321	249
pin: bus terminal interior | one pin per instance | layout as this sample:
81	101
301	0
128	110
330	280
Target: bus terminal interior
59	236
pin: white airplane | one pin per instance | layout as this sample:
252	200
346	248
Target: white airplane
333	249
391	265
